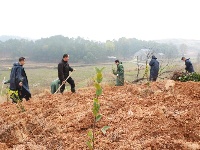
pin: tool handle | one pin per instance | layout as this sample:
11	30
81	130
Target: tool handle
62	83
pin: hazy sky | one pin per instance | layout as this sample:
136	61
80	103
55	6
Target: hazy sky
101	19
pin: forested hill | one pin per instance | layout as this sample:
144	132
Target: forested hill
80	50
4	38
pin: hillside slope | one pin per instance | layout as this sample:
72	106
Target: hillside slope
162	115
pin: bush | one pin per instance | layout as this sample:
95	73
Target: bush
190	77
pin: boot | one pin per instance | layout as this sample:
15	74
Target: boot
73	90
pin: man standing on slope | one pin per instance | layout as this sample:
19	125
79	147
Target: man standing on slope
19	82
154	68
189	67
63	73
119	73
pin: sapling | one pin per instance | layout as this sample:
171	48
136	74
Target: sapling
14	95
95	110
146	71
16	99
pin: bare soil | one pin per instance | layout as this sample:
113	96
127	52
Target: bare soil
160	115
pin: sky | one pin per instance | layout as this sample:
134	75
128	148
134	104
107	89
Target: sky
101	20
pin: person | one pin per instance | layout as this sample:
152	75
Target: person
19	82
154	64
55	85
119	73
189	67
63	73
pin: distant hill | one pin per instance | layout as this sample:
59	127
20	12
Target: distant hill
4	38
193	45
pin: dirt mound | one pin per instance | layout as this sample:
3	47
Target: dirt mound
177	75
160	115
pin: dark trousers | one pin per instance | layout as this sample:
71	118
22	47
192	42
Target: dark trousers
153	79
23	93
72	84
153	75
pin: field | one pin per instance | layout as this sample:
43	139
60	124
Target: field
161	115
40	76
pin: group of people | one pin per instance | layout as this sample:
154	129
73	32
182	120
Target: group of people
19	87
154	70
154	64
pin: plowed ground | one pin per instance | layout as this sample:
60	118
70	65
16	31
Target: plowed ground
162	115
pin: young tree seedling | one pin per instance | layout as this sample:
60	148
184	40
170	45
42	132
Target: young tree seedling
95	110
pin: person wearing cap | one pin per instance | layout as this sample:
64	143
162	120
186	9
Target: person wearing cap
119	73
19	87
63	73
154	64
189	67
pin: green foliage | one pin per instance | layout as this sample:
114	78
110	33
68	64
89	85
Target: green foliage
15	98
97	85
91	138
99	75
146	71
190	77
104	129
89	144
81	50
96	107
98	117
99	92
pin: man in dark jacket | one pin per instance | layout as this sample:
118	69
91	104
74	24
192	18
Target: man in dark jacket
154	64
19	80
189	67
63	73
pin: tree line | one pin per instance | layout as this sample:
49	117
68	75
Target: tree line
81	50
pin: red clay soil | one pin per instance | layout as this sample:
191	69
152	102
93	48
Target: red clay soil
162	115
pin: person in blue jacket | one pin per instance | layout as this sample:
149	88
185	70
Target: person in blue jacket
19	80
189	67
154	64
